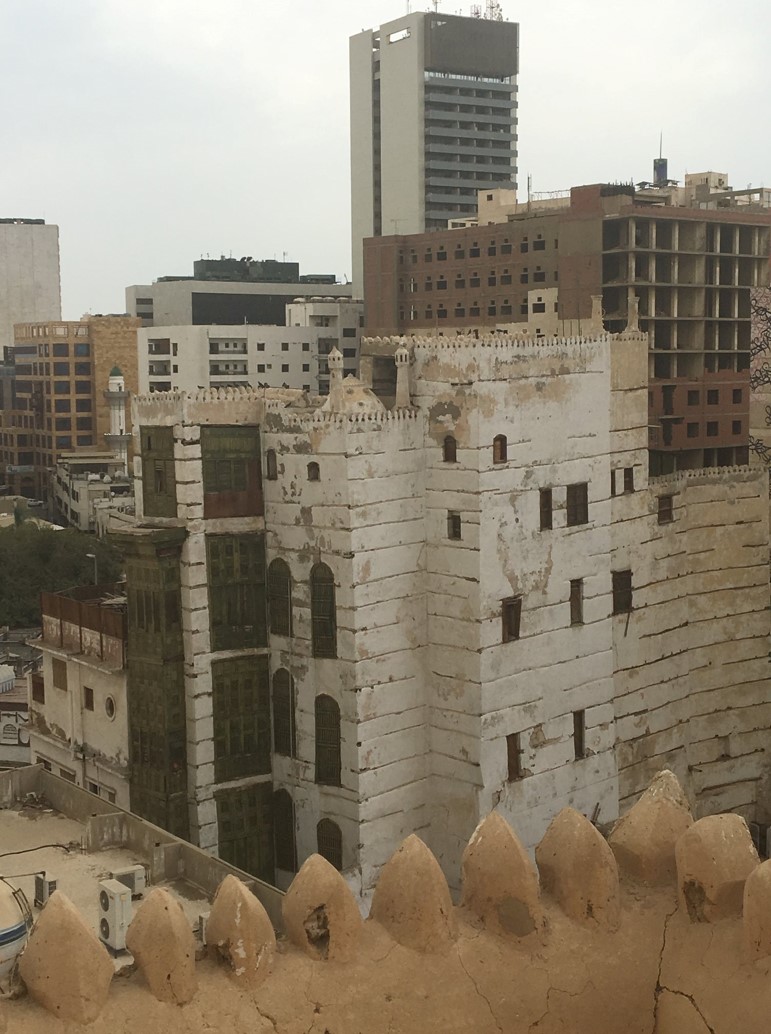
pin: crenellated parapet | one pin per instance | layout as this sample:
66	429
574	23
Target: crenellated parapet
670	921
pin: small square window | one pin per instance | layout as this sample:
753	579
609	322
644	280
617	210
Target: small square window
736	427
693	398
665	509
692	430
712	428
453	525
511	618
737	396
284	346
285	367
713	397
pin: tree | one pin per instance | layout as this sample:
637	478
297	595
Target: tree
35	560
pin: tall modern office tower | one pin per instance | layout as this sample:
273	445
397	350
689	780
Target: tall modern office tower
433	120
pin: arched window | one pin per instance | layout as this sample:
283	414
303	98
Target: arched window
328	763
450	449
271	465
329	839
284	840
313	472
284	734
500	447
323	615
280	597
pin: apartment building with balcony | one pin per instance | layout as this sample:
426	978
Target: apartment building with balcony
188	358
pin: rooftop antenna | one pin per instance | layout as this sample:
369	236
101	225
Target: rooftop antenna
493	11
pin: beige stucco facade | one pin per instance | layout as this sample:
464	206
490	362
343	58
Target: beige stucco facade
78	711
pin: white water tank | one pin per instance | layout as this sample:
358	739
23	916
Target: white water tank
13	930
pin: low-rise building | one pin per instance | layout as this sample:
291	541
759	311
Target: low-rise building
84	479
78	707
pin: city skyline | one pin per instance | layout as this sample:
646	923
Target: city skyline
155	133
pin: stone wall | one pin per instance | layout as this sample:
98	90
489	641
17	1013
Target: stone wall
431	696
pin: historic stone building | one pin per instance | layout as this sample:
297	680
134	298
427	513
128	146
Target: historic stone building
348	623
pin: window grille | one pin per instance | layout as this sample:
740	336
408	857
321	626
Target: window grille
241	705
236	569
328	764
280	597
665	509
323	612
329	840
159	488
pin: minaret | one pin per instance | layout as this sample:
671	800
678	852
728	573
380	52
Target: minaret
335	361
402	360
116	396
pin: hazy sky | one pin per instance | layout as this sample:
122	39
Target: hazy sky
155	131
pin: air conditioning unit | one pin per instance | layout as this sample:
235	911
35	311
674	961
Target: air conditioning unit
44	888
114	913
134	877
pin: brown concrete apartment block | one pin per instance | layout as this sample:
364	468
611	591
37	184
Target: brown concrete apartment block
58	405
691	270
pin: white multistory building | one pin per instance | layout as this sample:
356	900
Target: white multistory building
348	624
189	357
